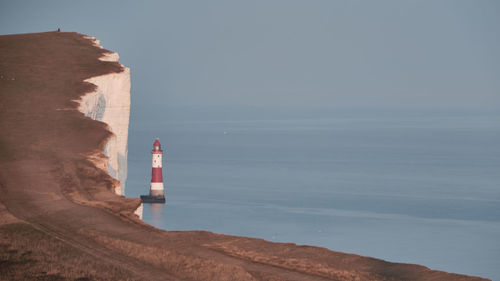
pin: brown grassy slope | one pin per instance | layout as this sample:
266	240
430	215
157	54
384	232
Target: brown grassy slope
59	219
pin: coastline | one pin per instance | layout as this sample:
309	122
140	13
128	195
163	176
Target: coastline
57	190
110	104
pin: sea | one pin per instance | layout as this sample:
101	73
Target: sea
410	186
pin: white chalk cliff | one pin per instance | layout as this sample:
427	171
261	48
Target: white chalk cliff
110	103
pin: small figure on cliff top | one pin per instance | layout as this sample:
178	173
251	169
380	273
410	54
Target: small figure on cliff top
58	30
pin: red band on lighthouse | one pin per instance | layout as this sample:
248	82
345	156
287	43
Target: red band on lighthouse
156	175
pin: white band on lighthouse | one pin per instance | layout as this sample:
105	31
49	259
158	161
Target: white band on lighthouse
156	186
156	160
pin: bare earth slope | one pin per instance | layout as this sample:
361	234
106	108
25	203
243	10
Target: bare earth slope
59	217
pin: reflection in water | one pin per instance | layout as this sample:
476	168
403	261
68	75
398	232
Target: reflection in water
156	213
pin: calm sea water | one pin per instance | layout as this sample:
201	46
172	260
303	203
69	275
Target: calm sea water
408	187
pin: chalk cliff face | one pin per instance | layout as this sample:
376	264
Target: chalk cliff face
110	103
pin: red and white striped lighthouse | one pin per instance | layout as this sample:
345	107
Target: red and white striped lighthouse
156	187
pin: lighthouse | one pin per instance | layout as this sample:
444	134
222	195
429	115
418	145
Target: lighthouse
156	190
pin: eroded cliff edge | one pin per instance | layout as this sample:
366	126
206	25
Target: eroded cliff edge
60	218
110	103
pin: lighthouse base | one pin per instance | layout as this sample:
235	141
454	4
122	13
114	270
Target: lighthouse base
152	199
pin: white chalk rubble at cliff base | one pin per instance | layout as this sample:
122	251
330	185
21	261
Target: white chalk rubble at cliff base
110	103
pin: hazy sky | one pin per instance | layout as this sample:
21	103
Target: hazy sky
289	53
